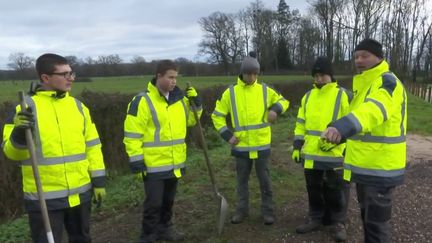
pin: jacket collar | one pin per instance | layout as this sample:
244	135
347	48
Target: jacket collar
175	95
327	86
52	94
365	79
243	84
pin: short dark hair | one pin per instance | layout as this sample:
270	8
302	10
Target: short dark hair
45	64
164	65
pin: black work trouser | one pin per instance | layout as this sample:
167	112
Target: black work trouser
326	192
376	206
158	205
76	220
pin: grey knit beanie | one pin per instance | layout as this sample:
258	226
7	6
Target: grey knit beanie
250	64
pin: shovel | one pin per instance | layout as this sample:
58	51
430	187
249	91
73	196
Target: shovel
32	151
223	206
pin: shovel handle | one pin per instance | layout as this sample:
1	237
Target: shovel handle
203	142
33	159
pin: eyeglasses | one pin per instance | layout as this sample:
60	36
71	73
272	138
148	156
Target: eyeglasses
68	75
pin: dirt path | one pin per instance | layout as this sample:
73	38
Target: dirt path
411	222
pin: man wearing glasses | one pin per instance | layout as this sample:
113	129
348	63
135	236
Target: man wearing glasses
68	150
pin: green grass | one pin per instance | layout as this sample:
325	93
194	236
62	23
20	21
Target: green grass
135	84
419	116
196	205
15	231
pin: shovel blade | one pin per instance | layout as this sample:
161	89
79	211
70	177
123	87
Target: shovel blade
223	212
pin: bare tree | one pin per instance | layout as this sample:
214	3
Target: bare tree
327	11
222	40
20	62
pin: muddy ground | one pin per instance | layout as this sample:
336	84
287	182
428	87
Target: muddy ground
411	221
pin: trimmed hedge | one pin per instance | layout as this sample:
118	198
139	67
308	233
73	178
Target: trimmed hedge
108	112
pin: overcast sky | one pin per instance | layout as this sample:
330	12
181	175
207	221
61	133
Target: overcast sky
153	29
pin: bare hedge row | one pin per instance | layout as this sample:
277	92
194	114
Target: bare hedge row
108	112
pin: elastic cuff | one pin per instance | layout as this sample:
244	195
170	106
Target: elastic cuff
277	108
137	166
98	181
345	127
298	144
18	137
226	135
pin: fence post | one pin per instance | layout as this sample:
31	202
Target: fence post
430	93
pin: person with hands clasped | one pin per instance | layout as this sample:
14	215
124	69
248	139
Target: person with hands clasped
252	106
68	149
154	136
322	161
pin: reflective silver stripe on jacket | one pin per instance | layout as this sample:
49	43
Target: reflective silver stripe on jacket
378	139
186	110
217	113
157	141
403	113
234	106
313	132
380	106
165	168
323	158
223	129
38	144
154	117
57	194
132	135
300	120
93	142
264	90
298	137
306	101
337	105
375	172
385	139
97	173
237	127
136	158
163	143
81	110
251	127
57	160
252	148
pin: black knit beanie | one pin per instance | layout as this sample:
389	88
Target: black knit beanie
322	65
371	46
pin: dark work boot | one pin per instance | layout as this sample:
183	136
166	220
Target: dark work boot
151	238
338	232
170	234
309	226
238	217
268	219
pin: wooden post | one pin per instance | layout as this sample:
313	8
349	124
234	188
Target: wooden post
430	93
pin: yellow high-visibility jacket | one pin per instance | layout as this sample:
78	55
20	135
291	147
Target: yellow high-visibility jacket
68	151
155	131
375	128
248	106
318	108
